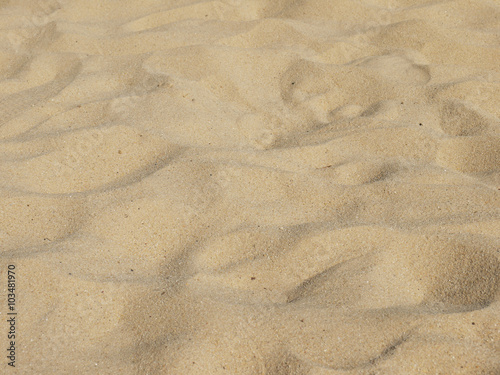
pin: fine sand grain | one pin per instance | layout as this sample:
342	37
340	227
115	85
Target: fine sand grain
250	187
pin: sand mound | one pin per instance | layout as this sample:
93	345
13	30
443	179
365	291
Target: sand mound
251	187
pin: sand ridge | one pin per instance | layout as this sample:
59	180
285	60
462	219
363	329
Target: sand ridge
251	187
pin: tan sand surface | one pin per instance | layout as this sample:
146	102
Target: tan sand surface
281	187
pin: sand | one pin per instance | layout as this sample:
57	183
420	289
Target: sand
250	187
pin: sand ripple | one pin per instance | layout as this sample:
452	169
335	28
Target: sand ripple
250	187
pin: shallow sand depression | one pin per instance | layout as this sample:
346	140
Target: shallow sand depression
250	187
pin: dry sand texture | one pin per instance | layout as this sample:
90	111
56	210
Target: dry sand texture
251	187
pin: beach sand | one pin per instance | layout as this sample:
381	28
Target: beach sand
250	187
